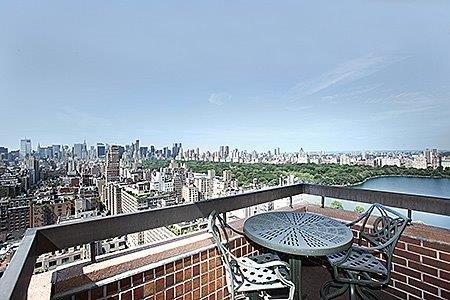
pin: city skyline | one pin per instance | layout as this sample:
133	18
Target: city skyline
34	147
327	76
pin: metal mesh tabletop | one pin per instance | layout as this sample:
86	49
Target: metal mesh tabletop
298	233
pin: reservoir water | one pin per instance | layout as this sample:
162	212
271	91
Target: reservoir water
413	185
407	185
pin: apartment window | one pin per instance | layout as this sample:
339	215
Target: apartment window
38	264
65	260
52	263
77	257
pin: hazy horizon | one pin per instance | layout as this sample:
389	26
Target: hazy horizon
325	76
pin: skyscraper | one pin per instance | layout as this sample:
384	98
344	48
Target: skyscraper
25	147
112	164
101	150
78	150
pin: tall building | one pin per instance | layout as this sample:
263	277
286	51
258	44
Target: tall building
78	150
25	147
101	150
136	150
112	164
3	153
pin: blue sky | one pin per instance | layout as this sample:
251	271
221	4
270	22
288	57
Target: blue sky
322	75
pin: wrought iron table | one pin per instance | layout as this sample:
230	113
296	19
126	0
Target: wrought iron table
298	234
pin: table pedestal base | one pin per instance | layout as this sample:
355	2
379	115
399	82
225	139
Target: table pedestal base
295	263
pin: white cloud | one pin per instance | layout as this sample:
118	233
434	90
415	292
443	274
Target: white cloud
219	98
344	73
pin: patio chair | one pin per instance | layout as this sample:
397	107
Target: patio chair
360	268
249	276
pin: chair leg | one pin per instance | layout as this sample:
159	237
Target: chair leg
332	289
366	293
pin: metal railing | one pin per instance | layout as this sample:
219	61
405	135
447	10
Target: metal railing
15	281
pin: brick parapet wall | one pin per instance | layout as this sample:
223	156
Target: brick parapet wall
195	276
421	270
421	263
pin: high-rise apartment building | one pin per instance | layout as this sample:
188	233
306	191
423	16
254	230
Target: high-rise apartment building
101	150
112	164
25	147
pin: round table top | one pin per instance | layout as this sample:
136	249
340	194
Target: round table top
298	233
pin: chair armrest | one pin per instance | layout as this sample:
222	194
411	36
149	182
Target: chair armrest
362	216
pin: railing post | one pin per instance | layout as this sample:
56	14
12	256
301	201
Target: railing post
410	214
224	217
290	202
93	248
322	202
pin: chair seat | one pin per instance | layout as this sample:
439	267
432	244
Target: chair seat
259	278
358	260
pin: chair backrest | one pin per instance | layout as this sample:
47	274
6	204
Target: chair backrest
216	226
387	226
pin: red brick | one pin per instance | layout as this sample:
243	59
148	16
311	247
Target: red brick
138	279
427	296
179	277
188	286
396	292
437	282
187	261
408	288
178	265
126	296
196	270
406	271
125	283
196	258
411	297
422	285
169	267
204	291
409	240
112	288
149	275
398	277
204	255
196	283
160	296
400	245
437	245
444	256
204	279
399	260
444	275
170	280
212	287
422	250
179	290
407	255
445	294
196	294
159	285
436	263
212	263
149	288
188	273
170	294
138	293
204	267
159	272
421	267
